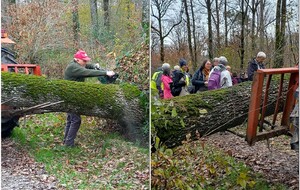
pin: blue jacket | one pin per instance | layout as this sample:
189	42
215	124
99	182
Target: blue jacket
198	81
252	67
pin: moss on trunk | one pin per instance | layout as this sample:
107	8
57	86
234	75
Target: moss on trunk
124	103
206	112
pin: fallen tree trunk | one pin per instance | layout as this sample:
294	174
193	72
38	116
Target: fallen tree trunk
123	103
205	113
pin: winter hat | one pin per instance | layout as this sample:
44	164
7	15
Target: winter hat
223	60
182	62
165	66
81	55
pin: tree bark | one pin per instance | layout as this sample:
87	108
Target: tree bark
94	20
280	33
194	37
106	14
206	112
189	33
122	103
225	23
218	26
242	36
210	35
76	25
262	25
253	8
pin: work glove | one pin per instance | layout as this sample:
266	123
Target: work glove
110	73
97	66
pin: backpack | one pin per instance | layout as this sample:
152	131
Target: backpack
214	80
178	83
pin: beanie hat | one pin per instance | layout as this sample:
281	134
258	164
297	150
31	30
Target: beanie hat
165	66
182	62
81	55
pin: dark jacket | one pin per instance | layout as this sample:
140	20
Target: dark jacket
198	81
252	67
76	72
178	82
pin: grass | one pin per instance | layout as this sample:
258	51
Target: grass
101	161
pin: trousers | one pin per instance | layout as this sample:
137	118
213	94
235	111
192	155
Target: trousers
71	129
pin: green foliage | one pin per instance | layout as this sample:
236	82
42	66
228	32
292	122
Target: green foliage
196	165
101	161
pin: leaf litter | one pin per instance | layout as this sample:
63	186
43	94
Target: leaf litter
273	159
101	160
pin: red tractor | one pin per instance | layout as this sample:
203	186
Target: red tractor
9	64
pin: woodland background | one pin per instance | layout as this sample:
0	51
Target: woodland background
48	33
237	29
114	33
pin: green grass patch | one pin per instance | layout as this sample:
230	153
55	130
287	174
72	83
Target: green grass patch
100	161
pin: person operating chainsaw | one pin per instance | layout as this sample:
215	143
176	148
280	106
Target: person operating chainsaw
78	70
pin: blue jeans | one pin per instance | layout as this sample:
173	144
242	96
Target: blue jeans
71	129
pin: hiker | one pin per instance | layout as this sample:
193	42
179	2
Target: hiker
200	78
294	118
255	64
179	82
219	77
235	79
176	69
244	77
215	62
228	68
187	77
166	80
78	70
156	82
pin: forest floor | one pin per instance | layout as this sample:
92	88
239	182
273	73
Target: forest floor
225	161
34	157
274	158
20	171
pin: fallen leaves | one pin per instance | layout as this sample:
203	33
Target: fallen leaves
102	159
278	163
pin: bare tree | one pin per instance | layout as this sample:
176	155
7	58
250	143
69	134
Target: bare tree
261	27
253	8
189	33
94	18
194	36
280	33
159	9
217	24
209	22
106	13
244	10
225	23
76	24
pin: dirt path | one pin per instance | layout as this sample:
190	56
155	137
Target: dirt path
20	171
276	162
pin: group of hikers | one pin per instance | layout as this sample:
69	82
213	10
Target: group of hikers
209	76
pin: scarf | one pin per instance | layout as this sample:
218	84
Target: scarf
206	73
